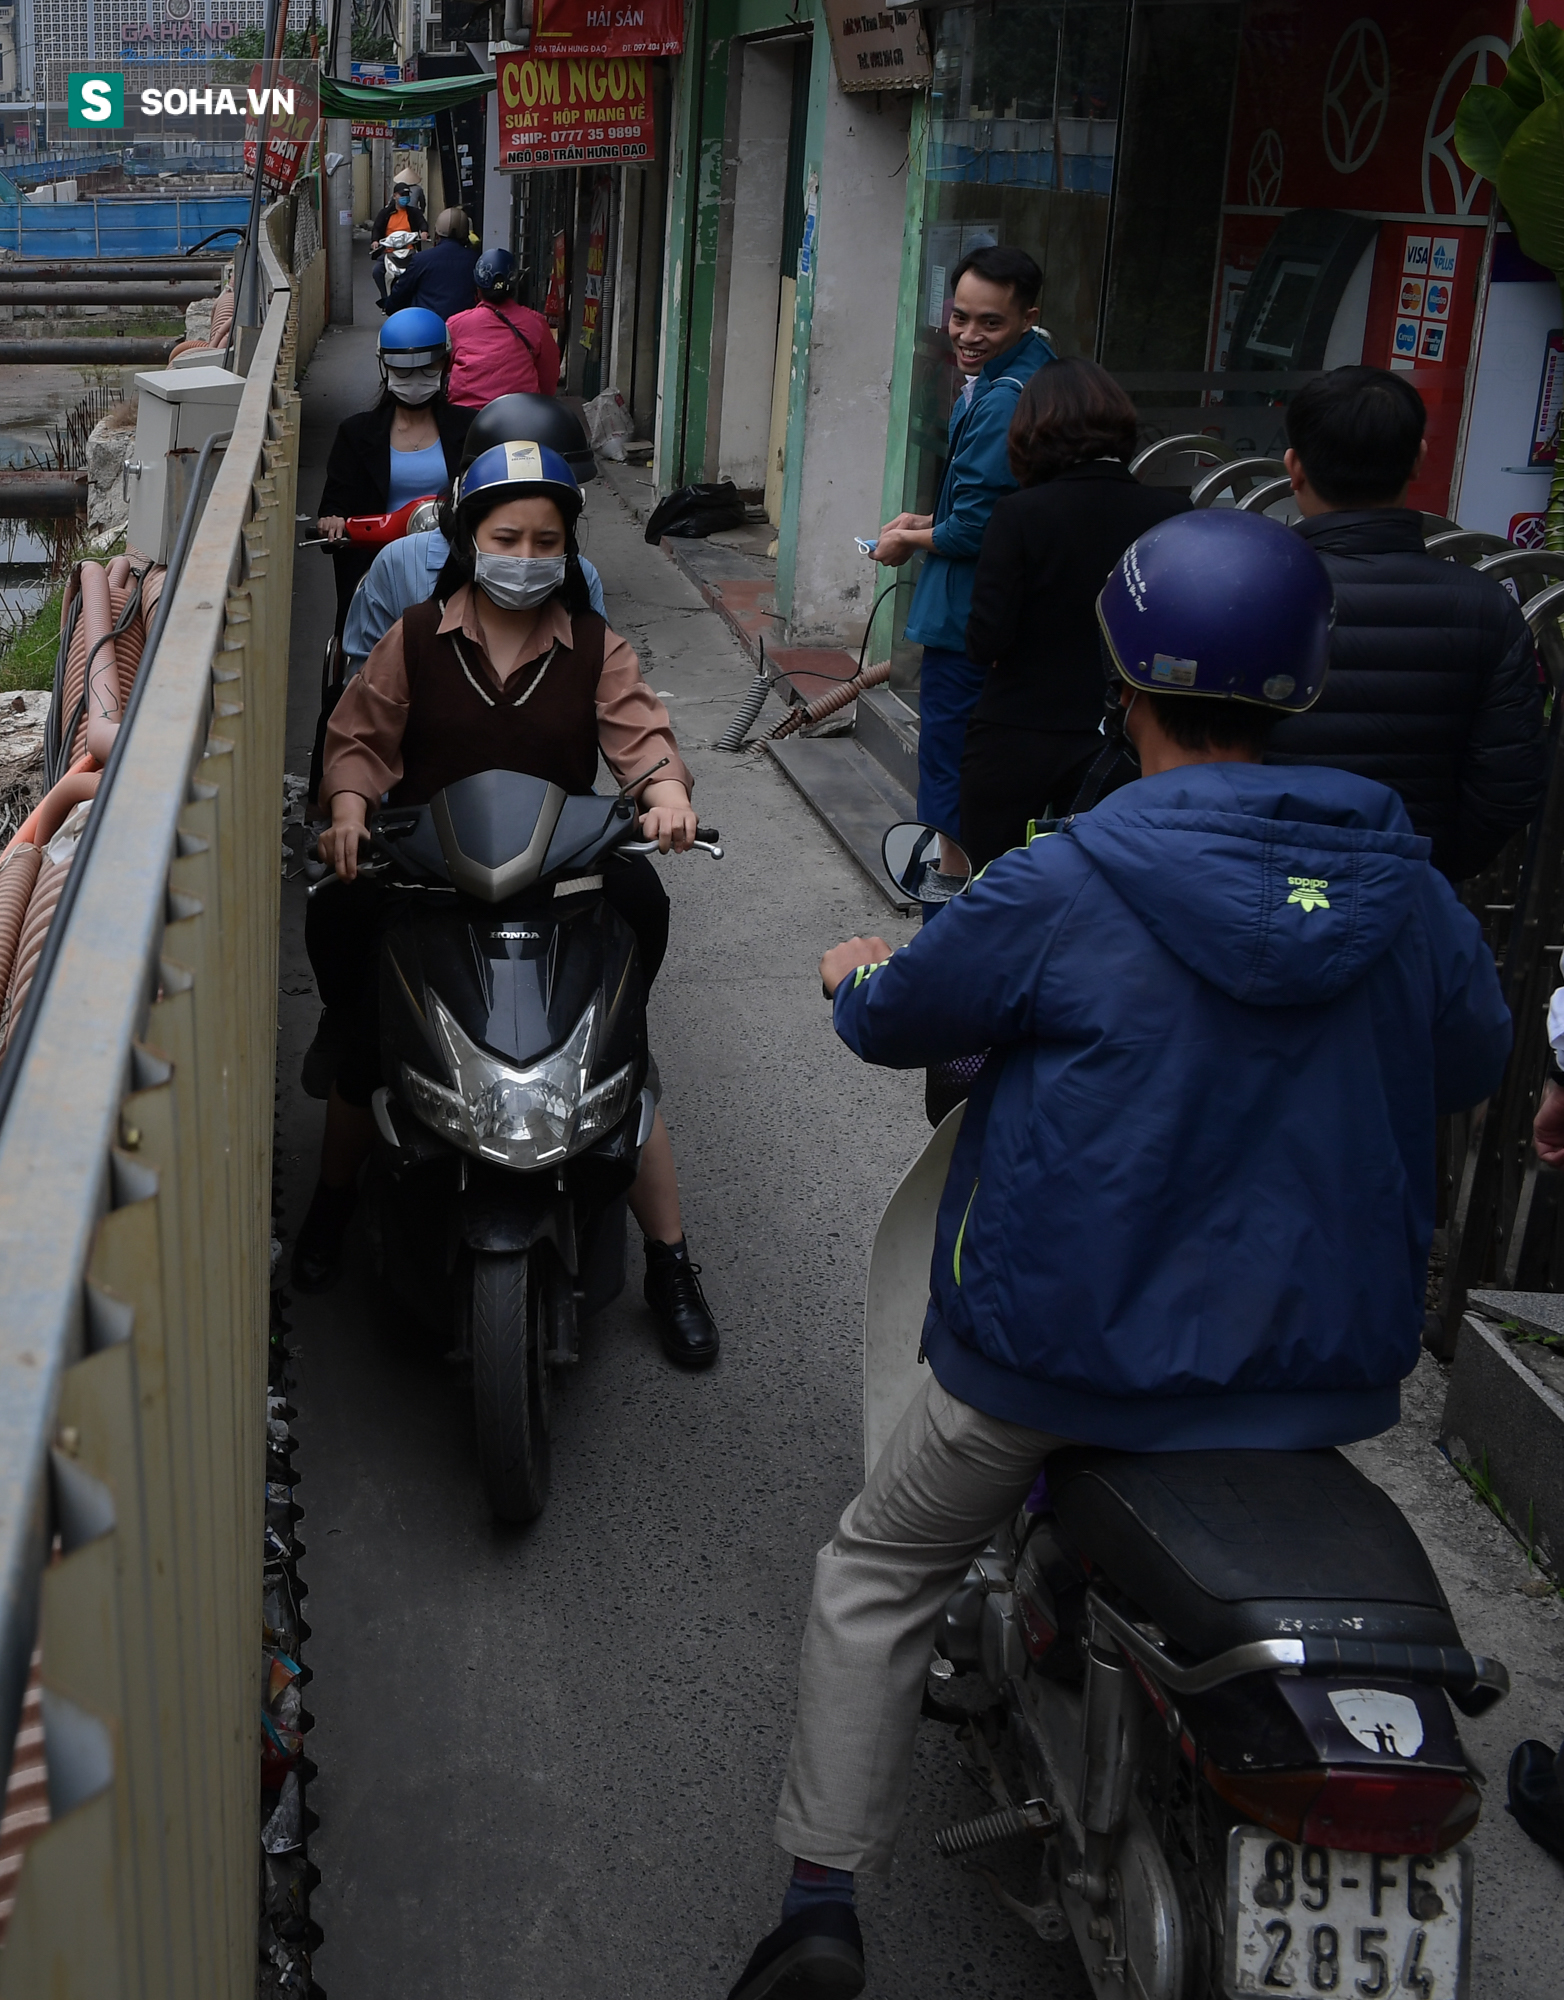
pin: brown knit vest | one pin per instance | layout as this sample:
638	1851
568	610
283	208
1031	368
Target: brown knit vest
458	722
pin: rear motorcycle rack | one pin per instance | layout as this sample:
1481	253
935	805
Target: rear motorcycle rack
1473	1681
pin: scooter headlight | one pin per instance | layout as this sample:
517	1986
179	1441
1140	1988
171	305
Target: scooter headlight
423	518
521	1118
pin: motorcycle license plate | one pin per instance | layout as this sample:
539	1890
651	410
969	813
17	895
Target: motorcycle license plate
1308	1920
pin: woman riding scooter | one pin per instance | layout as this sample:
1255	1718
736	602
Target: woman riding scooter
499	346
409	444
506	667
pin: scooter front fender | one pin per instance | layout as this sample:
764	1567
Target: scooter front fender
497	1215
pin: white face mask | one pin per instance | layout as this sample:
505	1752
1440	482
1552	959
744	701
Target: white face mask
414	385
516	583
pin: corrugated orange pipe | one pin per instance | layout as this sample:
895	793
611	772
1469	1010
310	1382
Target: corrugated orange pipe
18	872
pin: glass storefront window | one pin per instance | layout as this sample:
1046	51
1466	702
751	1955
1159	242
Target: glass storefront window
1288	200
1277	194
1023	121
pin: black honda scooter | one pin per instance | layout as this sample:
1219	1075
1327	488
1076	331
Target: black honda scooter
519	1090
1208	1694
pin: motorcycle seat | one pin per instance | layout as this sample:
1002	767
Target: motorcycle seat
1220	1548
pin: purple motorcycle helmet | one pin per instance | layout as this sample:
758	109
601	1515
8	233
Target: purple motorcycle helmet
1229	606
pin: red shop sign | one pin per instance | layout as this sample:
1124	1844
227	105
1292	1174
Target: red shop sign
603	28
289	134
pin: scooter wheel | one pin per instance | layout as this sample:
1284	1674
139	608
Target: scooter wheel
509	1377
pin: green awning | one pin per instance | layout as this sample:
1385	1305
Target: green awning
399	103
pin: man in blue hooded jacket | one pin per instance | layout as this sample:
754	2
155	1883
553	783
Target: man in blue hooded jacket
993	331
1191	1201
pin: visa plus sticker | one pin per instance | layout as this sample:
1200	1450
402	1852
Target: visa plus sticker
1436	305
1443	256
1411	301
1433	343
1404	342
1415	257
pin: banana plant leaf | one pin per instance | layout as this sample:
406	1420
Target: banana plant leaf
1543	42
1486	120
1530	181
398	102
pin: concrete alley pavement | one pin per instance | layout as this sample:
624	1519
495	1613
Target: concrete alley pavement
549	1758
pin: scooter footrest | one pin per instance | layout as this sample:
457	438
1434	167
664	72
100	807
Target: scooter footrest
1033	1821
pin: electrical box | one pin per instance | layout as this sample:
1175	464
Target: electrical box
179	409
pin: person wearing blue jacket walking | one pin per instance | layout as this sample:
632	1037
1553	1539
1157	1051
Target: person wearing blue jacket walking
993	329
1191	1201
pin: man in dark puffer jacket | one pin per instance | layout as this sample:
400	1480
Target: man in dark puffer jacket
1433	687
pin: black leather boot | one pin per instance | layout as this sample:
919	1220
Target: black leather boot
317	1249
673	1291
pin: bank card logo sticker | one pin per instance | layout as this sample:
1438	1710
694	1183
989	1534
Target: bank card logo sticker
95	100
1444	256
1388	1724
1528	531
1433	345
1414	259
1436	304
1403	343
1411	301
1308	891
1174	673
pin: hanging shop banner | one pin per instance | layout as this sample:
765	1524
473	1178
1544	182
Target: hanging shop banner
377	75
879	48
292	125
571	111
554	304
597	259
592	28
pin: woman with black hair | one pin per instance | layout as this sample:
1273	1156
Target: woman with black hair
408	444
1047	552
506	667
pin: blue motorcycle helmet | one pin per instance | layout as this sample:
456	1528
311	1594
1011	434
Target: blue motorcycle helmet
494	276
1224	605
412	340
516	470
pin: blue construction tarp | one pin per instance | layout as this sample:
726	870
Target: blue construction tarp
159	226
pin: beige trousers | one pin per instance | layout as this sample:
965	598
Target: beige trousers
945	1481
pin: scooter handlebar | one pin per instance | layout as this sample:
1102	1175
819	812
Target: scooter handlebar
707	839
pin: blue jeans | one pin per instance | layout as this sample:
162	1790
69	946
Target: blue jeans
947	693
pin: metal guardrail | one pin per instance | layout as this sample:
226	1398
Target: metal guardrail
135	1163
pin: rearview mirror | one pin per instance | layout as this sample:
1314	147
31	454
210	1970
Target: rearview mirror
924	863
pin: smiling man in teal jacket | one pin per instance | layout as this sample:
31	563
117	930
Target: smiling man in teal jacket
993	329
1191	1201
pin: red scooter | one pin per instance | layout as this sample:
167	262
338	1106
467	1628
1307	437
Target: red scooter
364	531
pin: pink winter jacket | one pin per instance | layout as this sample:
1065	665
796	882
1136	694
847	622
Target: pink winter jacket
497	350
